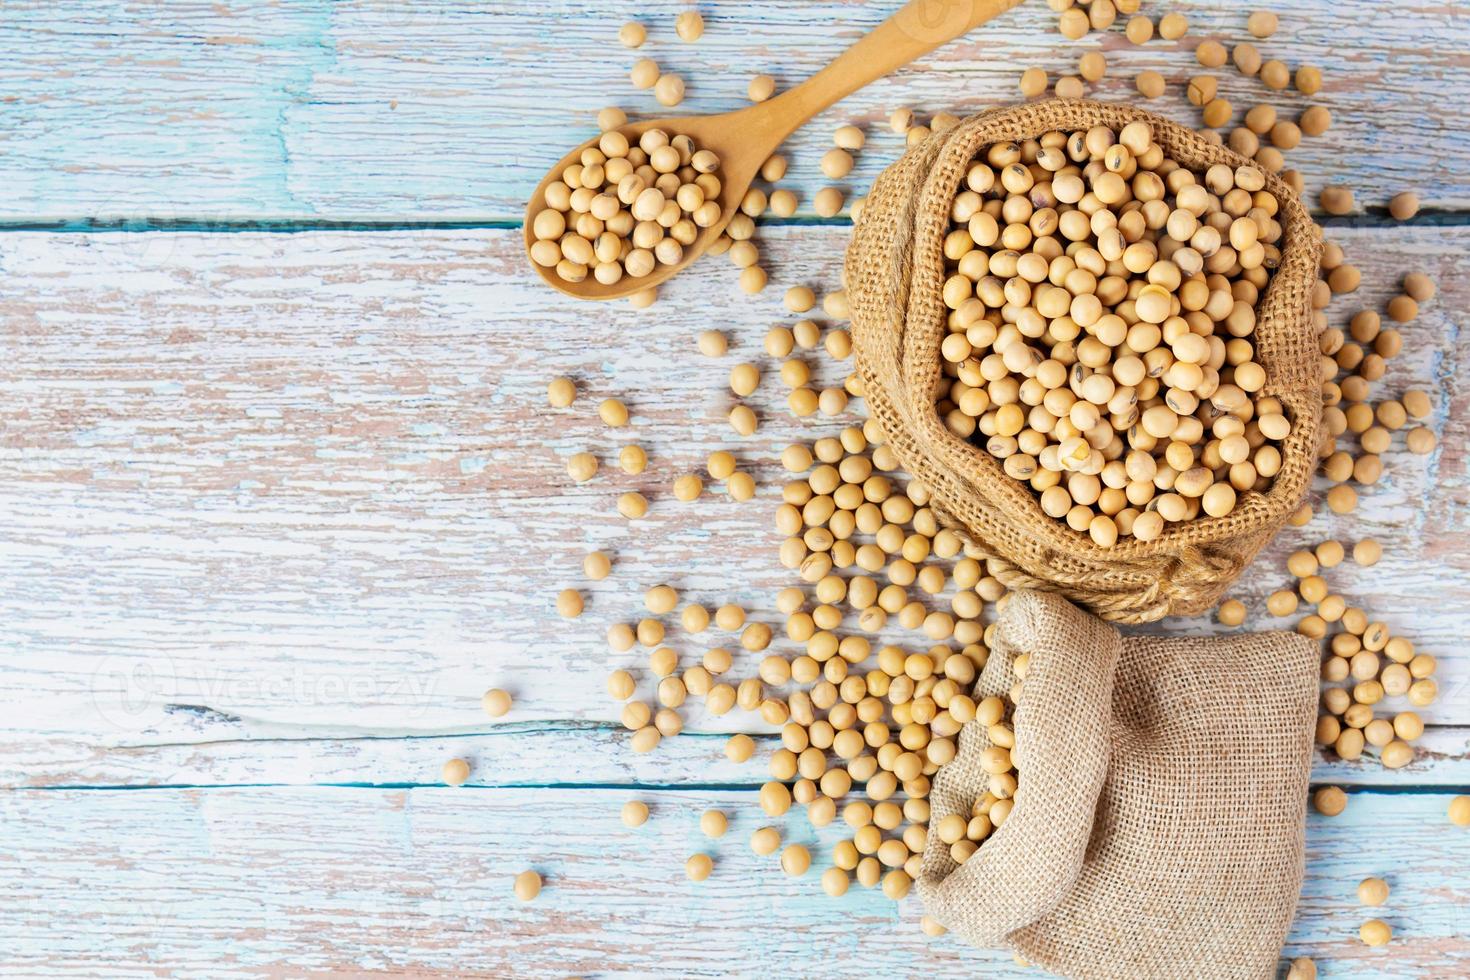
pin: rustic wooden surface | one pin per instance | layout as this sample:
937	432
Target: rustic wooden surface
278	505
239	881
436	110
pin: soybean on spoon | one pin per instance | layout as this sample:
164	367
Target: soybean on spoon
745	138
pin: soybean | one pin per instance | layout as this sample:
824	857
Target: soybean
1373	891
527	886
1329	801
456	772
1404	205
689	25
761	88
1375	932
632	34
699	867
496	702
635	813
561	392
795	860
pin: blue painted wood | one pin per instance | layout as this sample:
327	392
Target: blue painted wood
513	753
436	109
282	422
235	882
337	443
193	412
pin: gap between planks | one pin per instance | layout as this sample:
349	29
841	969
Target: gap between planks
437	107
527	755
1373	218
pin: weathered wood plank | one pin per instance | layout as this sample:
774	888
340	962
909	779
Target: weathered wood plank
213	444
442	110
247	881
270	501
516	754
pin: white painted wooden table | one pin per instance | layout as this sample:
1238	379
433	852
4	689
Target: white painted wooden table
279	497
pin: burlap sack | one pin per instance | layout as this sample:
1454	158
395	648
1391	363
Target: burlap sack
1158	825
895	275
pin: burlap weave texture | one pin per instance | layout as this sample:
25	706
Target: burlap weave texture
895	276
1158	826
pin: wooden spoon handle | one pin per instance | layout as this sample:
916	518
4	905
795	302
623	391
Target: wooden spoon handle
917	28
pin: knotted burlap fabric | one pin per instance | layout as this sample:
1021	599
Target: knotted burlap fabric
895	279
1158	825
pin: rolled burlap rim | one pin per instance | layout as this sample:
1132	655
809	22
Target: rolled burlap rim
895	276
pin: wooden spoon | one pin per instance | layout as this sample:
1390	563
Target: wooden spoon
746	138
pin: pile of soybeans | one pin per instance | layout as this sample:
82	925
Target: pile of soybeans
1102	311
1102	305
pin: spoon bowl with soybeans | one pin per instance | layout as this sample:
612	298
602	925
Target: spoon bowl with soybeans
585	230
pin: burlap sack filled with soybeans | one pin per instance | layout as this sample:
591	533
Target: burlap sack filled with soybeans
896	277
1126	853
